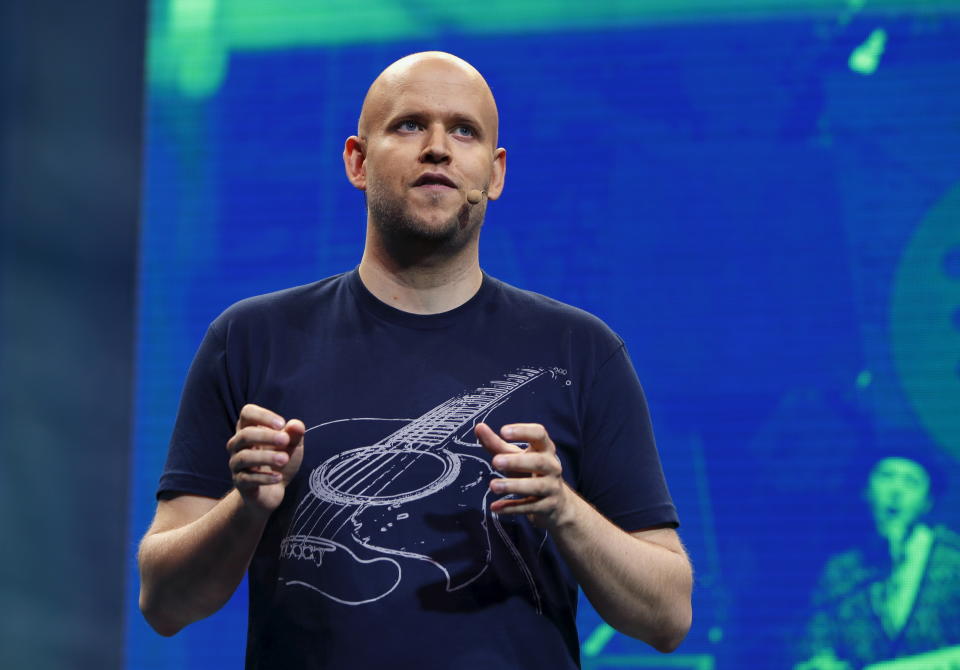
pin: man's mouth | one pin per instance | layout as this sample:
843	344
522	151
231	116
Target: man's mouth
434	179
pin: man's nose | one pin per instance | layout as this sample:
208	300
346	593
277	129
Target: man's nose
435	148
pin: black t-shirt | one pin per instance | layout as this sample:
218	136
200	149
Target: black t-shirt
384	552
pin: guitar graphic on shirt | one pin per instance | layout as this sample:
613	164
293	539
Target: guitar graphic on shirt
347	533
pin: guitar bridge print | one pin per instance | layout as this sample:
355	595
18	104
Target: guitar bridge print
367	513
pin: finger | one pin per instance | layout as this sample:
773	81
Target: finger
254	415
521	506
257	437
532	433
528	462
249	479
258	460
539	487
492	442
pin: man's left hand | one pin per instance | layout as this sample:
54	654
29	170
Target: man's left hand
533	475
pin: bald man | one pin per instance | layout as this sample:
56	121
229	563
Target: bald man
422	462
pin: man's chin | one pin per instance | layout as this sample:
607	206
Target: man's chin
416	229
438	228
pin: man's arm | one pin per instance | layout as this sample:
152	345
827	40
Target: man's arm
640	583
197	550
193	558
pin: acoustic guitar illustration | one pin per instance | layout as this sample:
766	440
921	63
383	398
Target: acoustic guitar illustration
350	534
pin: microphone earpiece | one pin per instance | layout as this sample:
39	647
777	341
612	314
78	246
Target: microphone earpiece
475	195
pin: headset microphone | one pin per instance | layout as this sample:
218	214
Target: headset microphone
474	196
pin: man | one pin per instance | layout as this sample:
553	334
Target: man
417	535
898	599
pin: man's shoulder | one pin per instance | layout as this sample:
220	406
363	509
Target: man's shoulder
947	538
845	573
541	306
286	303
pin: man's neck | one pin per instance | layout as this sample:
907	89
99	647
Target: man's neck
424	288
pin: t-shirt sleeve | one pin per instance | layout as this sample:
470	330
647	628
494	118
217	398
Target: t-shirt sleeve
621	474
197	461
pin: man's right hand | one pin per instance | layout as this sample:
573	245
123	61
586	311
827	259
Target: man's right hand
197	549
265	454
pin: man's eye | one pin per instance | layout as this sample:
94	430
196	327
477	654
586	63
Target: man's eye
464	131
409	126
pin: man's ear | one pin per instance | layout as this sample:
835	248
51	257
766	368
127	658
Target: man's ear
354	162
497	174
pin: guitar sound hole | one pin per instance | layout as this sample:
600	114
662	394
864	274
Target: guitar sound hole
383	475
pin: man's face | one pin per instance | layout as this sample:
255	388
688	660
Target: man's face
428	136
899	493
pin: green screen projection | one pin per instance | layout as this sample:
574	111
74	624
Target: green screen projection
762	198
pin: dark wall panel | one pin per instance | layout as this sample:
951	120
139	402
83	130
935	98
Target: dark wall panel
71	93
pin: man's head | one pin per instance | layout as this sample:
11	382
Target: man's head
898	491
427	135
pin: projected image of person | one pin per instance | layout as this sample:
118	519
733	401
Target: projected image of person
899	599
416	464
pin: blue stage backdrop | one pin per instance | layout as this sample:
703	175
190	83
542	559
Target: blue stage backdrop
762	198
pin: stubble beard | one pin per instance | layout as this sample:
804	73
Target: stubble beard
406	234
